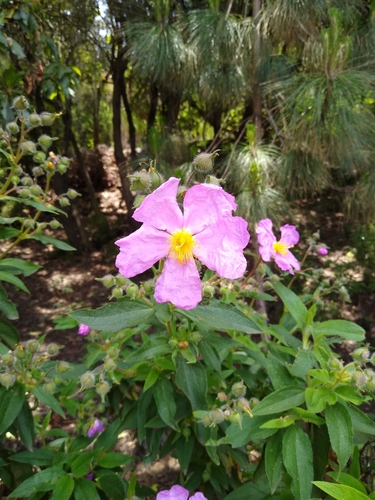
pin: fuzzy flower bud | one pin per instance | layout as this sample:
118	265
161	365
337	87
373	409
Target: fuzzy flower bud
28	147
236	418
117	292
87	381
64	202
62	367
211	179
47	118
361	355
40	157
7	380
8	359
102	388
113	352
34	119
25	193
217	416
109	364
196	337
138	200
208	291
206	420
335	364
20	102
49	387
359	379
72	194
36	190
53	349
26	181
108	280
55	224
205	161
253	402
132	291
13	128
20	353
222	396
148	286
140	181
155	178
45	141
38	171
32	346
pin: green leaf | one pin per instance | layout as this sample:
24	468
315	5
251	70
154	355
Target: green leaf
317	399
247	491
164	397
151	378
280	400
210	355
292	303
355	464
274	460
184	451
8	232
113	487
341	328
61	245
25	267
278	423
42	457
8	333
85	489
44	480
298	461
47	399
115	317
36	204
303	362
192	380
11	401
348	393
84	463
10	278
340	430
8	308
149	350
112	460
340	491
348	480
63	488
25	426
221	317
360	421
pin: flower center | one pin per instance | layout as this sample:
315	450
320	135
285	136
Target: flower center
182	243
281	248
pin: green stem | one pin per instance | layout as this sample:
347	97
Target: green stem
302	262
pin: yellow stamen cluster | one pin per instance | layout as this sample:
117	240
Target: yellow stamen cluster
181	245
280	248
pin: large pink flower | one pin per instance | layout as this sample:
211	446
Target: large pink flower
177	492
270	248
206	230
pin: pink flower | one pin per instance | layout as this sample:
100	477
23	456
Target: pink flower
84	330
270	248
97	426
206	230
322	250
177	492
90	476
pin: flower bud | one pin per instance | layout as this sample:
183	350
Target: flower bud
148	286
117	292
108	280
359	379
83	330
55	224
206	476
204	162
121	280
216	415
275	278
13	128
29	223
61	168
20	102
186	432
7	380
132	291
8	359
156	178
62	367
47	118
25	193
102	388
239	389
322	250
361	355
34	119
183	344
206	420
196	337
15	180
53	349
38	171
236	418
222	396
64	202
172	343
87	381
36	190
109	364
20	353
113	352
32	346
72	194
140	181
49	387
28	147
27	181
138	200
335	364
211	179
57	380
45	141
208	291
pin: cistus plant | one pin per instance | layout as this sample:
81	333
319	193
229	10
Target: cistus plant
252	405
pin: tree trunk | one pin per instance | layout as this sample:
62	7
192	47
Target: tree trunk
118	68
171	108
129	115
95	117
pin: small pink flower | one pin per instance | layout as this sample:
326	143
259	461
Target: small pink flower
322	250
97	426
270	248
177	492
90	476
206	230
84	330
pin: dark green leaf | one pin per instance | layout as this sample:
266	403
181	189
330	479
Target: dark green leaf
25	426
113	487
9	309
298	461
280	400
36	204
84	463
348	480
192	380
292	303
210	355
340	491
274	460
111	460
63	488
11	402
47	399
8	232
42	457
340	430
149	350
8	333
25	267
247	491
115	317
85	490
61	245
221	317
361	422
164	397
184	451
44	480
341	328
10	278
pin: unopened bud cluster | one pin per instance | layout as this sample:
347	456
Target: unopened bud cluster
89	381
123	287
145	180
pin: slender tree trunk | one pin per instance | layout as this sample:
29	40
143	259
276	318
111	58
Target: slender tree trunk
118	68
129	115
95	117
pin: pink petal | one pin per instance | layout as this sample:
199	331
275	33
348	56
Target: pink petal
160	208
177	492
179	284
266	239
289	235
287	262
204	205
198	496
220	247
140	250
